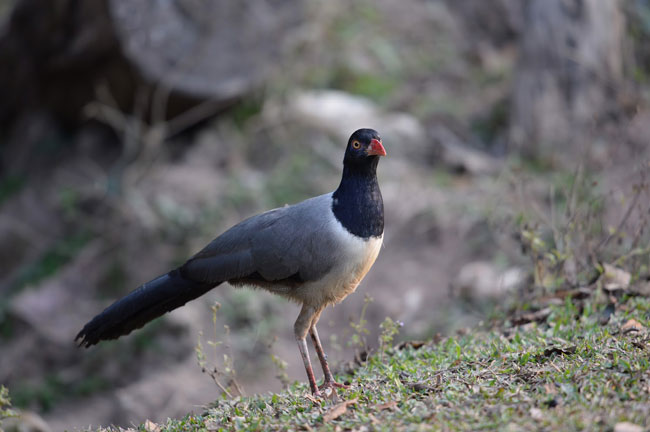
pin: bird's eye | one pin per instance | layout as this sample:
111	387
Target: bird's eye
356	145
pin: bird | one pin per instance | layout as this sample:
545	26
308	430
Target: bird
315	253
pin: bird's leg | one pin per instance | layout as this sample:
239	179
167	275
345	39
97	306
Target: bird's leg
304	353
329	379
300	328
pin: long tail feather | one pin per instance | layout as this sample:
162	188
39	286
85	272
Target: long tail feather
149	301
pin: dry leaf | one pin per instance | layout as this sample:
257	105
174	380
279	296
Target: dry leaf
538	316
150	426
559	350
632	325
388	405
413	344
550	388
312	399
338	410
575	293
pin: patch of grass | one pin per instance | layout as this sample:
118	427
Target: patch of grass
52	260
442	178
45	266
47	393
113	280
145	339
238	196
373	86
69	202
5	405
638	32
570	372
7	324
246	109
493	124
42	395
10	186
283	186
570	236
223	373
535	165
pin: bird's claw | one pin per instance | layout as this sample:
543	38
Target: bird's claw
327	390
332	385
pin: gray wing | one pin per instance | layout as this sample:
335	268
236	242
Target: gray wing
288	242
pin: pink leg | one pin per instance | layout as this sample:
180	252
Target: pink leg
304	353
300	329
329	379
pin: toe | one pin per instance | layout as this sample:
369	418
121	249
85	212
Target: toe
333	384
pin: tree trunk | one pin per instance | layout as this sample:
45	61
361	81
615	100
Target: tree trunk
155	59
570	67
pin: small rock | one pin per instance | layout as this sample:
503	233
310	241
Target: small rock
642	290
211	426
513	427
480	280
338	410
614	278
536	414
26	421
419	409
457	154
338	113
627	427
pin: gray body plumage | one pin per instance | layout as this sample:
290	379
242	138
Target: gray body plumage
301	252
290	251
290	241
315	253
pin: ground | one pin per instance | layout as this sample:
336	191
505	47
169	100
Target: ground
580	364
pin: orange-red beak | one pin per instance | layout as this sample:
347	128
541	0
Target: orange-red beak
376	148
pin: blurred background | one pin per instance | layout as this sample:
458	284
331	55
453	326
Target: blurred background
133	132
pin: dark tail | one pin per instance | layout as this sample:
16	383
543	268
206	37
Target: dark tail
149	301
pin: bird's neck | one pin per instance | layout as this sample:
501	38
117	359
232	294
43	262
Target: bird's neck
357	202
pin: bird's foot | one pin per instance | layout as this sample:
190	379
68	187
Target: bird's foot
332	385
327	390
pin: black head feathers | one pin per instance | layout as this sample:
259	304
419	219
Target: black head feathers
357	203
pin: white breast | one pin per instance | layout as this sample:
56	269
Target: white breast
355	258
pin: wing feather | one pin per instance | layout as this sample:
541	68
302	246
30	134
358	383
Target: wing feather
275	245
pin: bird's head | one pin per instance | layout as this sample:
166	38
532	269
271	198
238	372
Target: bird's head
364	146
